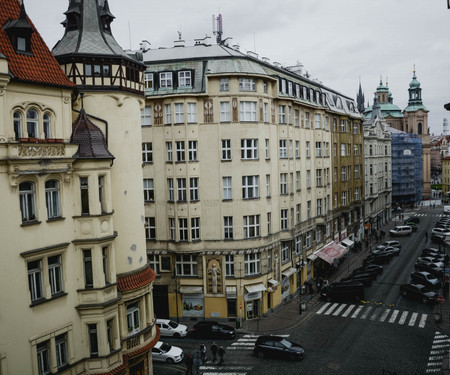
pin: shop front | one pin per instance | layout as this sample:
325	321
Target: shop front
253	299
192	301
330	254
286	283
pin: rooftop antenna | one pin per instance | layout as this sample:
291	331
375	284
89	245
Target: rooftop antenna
445	127
217	28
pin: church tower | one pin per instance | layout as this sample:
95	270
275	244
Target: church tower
360	100
109	99
416	121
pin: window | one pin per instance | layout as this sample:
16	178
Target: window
269	222
308	240
297	149
308	209
110	334
32	124
226	149
224	84
307	149
181	189
186	265
283	149
249	149
356	171
317	122
35	280
343	173
228	227
61	350
224	111
46	124
147	152
17	125
43	358
192	153
229	265
52	199
101	193
267	148
319	207
247	84
88	274
146	116
168	113
184	79
268	185
179	113
153	261
172	229
27	201
282	114
149	192
227	188
356	194
148	80
55	274
284	219
170	188
193	189
297	180
298	213
105	263
252	264
183	229
247	111
284	251
283	183
344	198
355	150
169	151
180	151
165	79
93	339
342	126
266	112
319	149
195	228
308	179
250	187
191	113
84	195
133	318
251	226
296	118
318	177
150	228
307	120
343	149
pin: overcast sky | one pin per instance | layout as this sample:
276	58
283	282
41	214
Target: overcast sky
339	42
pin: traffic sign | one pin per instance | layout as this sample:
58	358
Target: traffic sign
440	299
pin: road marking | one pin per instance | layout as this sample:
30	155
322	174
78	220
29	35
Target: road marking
384	315
350	308
323	308
403	317
394	316
375	314
338	311
357	311
422	321
328	312
366	312
413	319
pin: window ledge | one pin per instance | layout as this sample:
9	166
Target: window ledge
44	300
60	218
28	223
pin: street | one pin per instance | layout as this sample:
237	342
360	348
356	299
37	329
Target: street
385	334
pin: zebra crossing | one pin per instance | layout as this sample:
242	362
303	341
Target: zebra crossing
245	343
439	349
374	313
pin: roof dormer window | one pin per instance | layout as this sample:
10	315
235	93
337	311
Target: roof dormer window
19	32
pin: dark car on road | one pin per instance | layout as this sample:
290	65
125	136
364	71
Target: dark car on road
414	219
393	243
353	291
212	330
418	292
278	347
364	278
433	269
425	278
382	258
369	268
386	249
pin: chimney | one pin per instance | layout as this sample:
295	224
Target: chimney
236	47
144	46
206	41
178	43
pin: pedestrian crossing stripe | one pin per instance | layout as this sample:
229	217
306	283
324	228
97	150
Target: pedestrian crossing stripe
374	313
439	350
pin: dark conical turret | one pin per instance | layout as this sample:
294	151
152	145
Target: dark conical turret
360	100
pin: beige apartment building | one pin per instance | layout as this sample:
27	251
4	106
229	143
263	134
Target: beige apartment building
238	180
74	268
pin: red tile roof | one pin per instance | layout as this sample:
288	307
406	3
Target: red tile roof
41	66
136	280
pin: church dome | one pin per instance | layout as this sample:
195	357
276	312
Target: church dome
414	83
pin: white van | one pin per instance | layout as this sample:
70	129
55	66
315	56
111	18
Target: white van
401	230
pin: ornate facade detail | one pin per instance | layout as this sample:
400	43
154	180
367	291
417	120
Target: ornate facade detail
235	110
40	151
158	113
214	278
208	110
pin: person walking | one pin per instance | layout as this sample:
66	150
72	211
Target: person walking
203	352
189	364
221	353
214	350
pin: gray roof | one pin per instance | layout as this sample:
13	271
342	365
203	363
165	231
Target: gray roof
90	39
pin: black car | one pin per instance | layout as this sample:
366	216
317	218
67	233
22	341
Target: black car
425	278
438	238
382	258
212	330
433	269
351	290
363	278
432	252
278	347
412	224
418	292
373	272
414	219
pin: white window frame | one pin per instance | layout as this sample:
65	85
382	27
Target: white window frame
191	113
283	183
192	150
170	188
133	318
193	189
228	227
184	78
227	188
27	201
186	265
181	190
150	228
179	113
165	80
168	114
284	218
249	149
250	187
247	111
149	190
52	199
283	149
225	112
251	226
195	228
146	116
226	149
180	151
252	264
247	84
147	152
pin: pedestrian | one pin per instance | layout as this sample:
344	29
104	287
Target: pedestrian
221	353
203	352
189	364
214	349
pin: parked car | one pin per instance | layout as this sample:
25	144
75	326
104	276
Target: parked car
425	278
443	231
171	328
364	278
430	261
435	271
401	230
369	268
393	243
163	352
382	258
212	330
343	291
278	347
414	219
412	225
418	292
386	249
429	251
438	238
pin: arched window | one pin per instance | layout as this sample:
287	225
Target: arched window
32	123
419	128
27	201
52	199
46	123
17	125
